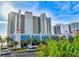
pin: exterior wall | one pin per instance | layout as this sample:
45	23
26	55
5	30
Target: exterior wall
28	23
66	29
76	32
11	24
73	26
48	25
22	26
35	25
62	29
8	25
15	24
43	23
39	27
57	29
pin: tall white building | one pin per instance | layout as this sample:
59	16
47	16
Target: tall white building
66	29
43	23
28	24
73	27
58	29
63	29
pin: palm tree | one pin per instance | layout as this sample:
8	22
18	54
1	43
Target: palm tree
33	41
0	37
9	40
23	43
0	43
15	44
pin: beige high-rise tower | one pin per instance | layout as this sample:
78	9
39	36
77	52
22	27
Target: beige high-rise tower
27	24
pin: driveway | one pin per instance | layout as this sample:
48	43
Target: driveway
21	54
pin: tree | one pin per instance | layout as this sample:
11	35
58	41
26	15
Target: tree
0	43
15	44
34	41
23	43
9	41
0	38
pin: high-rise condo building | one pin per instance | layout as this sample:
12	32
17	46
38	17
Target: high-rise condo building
28	24
73	27
63	29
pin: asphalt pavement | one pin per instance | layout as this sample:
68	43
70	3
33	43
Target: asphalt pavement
21	54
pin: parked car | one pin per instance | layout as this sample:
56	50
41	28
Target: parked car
5	52
31	48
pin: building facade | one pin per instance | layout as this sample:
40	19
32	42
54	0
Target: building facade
36	25
73	27
58	29
63	29
28	24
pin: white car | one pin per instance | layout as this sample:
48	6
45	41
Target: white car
31	48
5	52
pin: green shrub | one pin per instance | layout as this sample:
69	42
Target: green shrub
61	48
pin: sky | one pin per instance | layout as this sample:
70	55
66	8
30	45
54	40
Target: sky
59	11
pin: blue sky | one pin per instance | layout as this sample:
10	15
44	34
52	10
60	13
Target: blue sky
60	12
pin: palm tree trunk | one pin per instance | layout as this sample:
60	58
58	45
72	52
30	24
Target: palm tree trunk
0	47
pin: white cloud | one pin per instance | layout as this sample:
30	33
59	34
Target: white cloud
35	6
6	8
76	6
3	22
